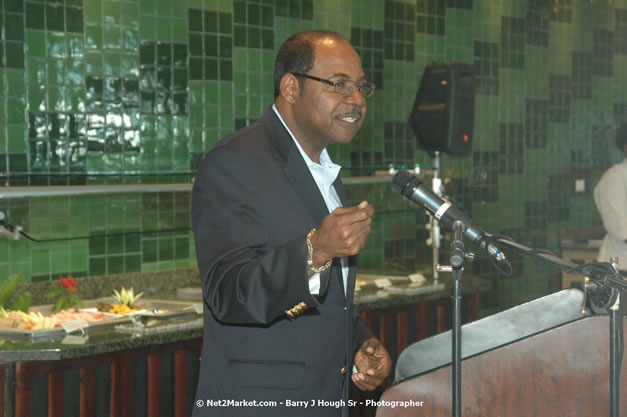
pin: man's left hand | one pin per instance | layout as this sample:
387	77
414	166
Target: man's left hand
373	363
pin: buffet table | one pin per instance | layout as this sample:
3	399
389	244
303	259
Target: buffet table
108	372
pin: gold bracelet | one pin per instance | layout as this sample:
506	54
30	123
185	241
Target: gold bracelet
310	264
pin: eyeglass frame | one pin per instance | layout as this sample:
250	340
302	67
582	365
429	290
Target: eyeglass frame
334	83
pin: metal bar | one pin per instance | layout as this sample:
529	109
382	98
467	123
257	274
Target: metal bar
18	192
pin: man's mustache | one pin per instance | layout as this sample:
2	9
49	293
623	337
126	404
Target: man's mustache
355	112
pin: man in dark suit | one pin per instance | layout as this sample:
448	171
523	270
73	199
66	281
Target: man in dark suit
276	248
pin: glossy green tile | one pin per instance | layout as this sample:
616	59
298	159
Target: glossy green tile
79	258
37	73
40	261
15	108
212	91
74	21
35	43
180	30
15	139
241	104
129	14
97	266
56	71
111	63
76	46
56	45
166	249
115	244
75	99
92	11
147	27
254	84
60	259
163	127
164	8
146	267
130	39
34	14
111	12
74	72
164	29
56	99
128	65
132	263
93	36
149	250
132	243
15	83
112	37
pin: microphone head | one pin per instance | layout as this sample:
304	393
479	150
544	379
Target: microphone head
401	183
400	180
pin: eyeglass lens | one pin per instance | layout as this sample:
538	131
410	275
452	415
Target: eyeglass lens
348	87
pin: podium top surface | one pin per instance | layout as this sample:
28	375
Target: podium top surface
491	332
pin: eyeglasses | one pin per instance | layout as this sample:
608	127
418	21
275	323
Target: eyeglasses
345	87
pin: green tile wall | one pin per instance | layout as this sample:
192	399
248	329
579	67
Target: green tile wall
135	91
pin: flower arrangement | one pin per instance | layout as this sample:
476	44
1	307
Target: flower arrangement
65	294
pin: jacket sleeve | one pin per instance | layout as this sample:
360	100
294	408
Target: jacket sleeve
244	280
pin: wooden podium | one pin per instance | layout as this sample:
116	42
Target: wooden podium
563	371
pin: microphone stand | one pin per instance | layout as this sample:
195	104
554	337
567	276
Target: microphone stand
456	267
434	225
615	359
603	282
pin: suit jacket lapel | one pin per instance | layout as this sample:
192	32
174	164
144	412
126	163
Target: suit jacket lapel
303	184
300	179
295	169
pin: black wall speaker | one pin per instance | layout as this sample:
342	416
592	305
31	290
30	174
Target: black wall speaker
444	110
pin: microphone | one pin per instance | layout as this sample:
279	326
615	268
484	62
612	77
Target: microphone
413	189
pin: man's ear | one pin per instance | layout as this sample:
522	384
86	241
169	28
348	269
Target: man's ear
289	88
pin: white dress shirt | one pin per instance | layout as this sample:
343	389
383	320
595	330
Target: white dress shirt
324	174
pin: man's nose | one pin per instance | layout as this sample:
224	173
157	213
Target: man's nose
356	97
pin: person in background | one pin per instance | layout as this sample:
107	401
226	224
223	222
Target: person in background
276	247
610	197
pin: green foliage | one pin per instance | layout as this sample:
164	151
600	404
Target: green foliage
22	302
67	300
7	288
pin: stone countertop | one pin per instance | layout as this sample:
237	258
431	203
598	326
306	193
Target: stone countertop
98	342
366	299
105	339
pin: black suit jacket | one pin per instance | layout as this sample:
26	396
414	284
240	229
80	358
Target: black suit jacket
253	203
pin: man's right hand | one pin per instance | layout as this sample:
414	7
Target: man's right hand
342	233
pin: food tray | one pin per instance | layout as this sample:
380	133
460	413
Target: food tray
152	307
152	326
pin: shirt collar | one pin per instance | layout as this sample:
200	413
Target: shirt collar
329	167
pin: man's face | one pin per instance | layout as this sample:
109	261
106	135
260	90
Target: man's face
323	116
